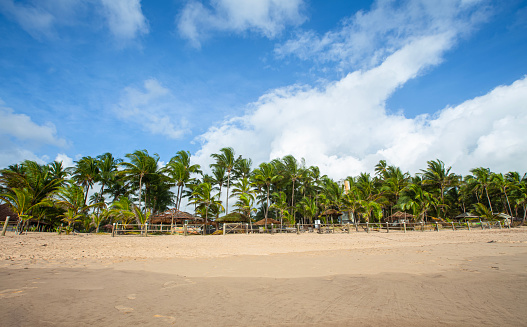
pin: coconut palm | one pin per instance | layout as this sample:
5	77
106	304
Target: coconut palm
439	177
481	181
86	173
141	165
122	210
21	201
225	159
204	200
265	175
293	172
179	169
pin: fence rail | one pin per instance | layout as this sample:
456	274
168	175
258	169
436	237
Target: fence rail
245	228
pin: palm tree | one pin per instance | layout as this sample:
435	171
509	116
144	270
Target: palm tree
140	166
294	171
265	175
122	210
107	165
21	201
481	182
180	169
437	175
86	174
225	159
501	183
203	198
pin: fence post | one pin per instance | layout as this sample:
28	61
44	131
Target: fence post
499	223
113	230
246	228
224	228
468	225
146	229
422	226
404	225
437	227
356	227
185	229
387	228
367	227
348	228
489	224
453	228
298	228
5	225
481	223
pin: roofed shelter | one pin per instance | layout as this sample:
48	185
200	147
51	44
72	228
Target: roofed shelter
399	216
466	216
176	216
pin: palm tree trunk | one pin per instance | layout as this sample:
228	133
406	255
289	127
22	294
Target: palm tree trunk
490	204
228	186
267	207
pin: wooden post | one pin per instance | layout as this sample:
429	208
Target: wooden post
489	224
387	227
113	230
298	228
499	223
367	227
185	229
468	225
246	228
146	229
404	225
348	228
437	227
422	226
481	223
5	225
356	227
224	228
453	228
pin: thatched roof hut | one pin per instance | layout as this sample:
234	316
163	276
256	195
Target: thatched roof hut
5	211
178	216
267	221
331	212
233	217
398	216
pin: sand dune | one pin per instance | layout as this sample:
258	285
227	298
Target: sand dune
457	278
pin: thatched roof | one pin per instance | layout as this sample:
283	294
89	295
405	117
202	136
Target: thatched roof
233	217
400	215
5	211
179	217
331	212
269	221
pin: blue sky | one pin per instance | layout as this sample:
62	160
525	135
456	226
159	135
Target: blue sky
343	84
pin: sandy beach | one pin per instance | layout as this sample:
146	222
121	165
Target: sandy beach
447	278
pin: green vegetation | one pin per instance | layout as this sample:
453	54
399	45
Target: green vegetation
137	188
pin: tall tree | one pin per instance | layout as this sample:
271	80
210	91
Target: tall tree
225	159
141	165
86	173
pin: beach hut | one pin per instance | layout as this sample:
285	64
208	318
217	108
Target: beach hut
399	216
267	221
233	217
5	211
173	216
334	214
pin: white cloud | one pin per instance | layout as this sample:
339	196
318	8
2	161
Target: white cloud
125	18
40	18
20	135
368	38
344	127
267	17
66	161
153	108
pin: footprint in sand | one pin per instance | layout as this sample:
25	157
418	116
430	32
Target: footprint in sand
124	309
169	319
172	284
6	294
131	296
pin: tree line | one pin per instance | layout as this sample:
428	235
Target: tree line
137	187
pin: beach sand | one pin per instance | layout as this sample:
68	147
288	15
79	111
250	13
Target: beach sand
446	278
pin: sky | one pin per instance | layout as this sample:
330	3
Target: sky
342	84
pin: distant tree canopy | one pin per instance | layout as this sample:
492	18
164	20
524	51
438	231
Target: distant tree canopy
137	187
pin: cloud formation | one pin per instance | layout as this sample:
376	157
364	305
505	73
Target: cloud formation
153	109
368	38
19	134
41	18
345	128
266	17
